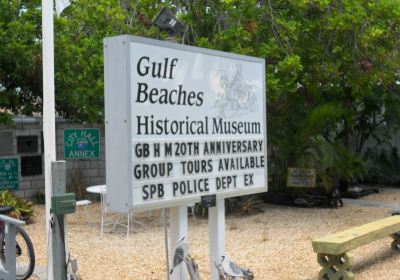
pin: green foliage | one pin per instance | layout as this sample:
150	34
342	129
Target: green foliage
325	119
332	67
385	166
333	163
78	36
330	85
6	118
20	57
342	89
23	208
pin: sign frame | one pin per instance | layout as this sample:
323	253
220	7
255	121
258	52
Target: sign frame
118	115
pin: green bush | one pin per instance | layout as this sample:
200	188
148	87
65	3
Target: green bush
22	208
333	163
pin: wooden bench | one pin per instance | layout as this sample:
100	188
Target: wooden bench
332	250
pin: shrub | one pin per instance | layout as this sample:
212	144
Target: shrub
22	208
333	163
250	205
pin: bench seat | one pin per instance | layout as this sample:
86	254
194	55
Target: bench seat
353	238
332	250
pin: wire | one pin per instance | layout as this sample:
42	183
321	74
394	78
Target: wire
61	229
166	240
62	238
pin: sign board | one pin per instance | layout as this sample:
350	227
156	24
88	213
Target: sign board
301	177
82	143
181	122
9	174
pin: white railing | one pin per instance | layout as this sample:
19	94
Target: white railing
8	272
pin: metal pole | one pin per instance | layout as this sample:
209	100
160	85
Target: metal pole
179	228
11	256
59	175
216	231
49	133
164	214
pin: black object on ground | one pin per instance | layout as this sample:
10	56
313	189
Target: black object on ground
306	200
318	201
357	192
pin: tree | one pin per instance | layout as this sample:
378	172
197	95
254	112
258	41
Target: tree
332	67
332	72
79	51
20	58
78	34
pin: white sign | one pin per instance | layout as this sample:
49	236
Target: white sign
181	122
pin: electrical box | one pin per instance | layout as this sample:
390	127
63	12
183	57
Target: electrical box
63	203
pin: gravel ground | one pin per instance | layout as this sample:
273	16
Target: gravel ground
275	244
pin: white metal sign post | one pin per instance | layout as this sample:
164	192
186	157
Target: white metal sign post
49	130
182	123
216	234
179	228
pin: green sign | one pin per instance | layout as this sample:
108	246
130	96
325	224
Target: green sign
9	174
82	143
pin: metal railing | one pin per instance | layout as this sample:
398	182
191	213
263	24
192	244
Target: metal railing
8	272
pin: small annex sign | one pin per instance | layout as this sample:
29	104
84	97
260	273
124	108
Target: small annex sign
82	143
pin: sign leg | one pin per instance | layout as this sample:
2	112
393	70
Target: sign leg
58	236
216	232
179	229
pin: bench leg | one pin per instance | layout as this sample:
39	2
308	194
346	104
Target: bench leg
396	240
335	267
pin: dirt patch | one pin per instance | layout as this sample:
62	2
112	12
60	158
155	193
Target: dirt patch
275	244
